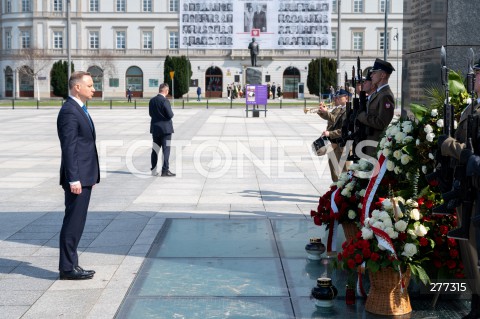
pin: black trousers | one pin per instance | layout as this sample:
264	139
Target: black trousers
253	57
162	141
76	207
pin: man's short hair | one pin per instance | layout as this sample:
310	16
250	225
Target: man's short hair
76	77
163	86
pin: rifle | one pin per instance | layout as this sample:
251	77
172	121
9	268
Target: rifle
443	173
462	185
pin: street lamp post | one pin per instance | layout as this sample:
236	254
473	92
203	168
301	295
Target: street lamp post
69	58
385	31
397	40
188	45
320	75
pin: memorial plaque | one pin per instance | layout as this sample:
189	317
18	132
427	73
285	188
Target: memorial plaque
254	76
429	25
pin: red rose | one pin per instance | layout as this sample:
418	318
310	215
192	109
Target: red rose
420	201
402	236
317	220
434	183
429	204
459	275
374	256
423	242
453	253
438	240
313	213
339	256
443	229
437	263
351	263
359	235
366	253
358	259
451	264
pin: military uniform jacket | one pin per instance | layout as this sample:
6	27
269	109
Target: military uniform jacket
380	108
453	146
335	120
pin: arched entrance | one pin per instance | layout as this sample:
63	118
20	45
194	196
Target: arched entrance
213	82
97	76
291	78
134	81
26	80
8	82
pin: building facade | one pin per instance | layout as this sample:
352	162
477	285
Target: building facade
124	43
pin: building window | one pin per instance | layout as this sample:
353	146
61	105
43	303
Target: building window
358	40
25	39
173	7
93	6
382	5
8	40
58	40
9	6
334	6
147	39
382	40
57	5
113	82
93	40
334	40
120	5
173	40
26	6
120	40
358	6
147	6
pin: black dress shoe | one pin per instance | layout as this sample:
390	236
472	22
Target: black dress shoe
168	174
91	272
75	274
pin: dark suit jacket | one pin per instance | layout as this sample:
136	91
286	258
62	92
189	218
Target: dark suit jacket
77	140
161	116
259	20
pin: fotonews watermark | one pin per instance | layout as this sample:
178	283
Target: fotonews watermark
216	158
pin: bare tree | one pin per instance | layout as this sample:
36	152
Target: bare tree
32	62
103	59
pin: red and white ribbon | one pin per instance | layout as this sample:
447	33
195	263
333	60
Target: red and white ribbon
378	173
333	226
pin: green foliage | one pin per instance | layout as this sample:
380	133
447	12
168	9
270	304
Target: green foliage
329	75
183	73
59	78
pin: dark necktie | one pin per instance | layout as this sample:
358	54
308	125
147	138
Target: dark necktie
88	116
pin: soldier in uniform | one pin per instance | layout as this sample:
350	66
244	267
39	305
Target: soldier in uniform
335	120
380	105
469	237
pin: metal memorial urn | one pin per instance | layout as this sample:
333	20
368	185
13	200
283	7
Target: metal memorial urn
324	293
315	249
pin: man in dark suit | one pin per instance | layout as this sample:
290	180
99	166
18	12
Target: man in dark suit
79	171
161	127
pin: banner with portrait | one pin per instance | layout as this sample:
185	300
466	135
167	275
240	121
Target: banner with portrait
275	24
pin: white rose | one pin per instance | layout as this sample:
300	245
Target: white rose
407	139
383	215
412	233
387	204
401	225
390	165
468	101
415	214
430	156
420	230
397	154
378	224
405	159
424	169
382	142
434	113
346	192
393	130
409	250
397	170
366	222
417	142
360	205
388	143
391	233
388	222
362	193
376	214
455	124
400	136
352	214
430	137
440	123
367	233
386	152
412	203
428	128
407	126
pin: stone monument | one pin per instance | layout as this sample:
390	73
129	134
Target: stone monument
427	25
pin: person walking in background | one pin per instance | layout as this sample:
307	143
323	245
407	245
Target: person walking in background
129	95
229	91
199	93
161	128
79	171
279	91
273	90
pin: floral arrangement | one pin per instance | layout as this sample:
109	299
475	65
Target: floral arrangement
349	191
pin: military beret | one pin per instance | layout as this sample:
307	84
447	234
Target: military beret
381	65
343	92
368	74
